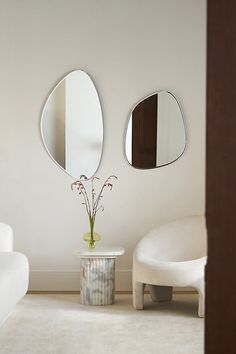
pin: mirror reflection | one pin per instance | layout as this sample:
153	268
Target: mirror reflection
72	125
155	134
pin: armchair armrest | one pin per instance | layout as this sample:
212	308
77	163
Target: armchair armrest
6	238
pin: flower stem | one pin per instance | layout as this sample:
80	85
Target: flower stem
91	222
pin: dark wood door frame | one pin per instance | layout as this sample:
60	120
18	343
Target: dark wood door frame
220	324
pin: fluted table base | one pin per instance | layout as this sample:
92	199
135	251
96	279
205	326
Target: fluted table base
97	281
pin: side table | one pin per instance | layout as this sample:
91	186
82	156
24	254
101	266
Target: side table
97	274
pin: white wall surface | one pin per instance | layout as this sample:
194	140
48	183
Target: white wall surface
130	49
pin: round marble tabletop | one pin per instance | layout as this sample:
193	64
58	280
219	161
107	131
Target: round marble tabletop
99	252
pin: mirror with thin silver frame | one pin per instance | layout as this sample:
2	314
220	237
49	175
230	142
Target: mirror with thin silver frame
72	125
155	134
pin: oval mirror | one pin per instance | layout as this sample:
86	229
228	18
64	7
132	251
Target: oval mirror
72	125
155	133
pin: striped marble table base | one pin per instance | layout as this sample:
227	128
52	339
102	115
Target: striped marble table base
97	281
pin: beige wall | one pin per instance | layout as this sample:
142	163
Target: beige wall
130	49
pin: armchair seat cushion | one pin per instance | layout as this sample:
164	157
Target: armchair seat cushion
184	273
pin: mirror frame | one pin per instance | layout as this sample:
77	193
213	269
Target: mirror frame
184	126
42	117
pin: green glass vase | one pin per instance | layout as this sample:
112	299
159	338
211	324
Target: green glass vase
91	239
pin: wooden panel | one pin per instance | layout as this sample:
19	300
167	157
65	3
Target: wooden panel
144	133
221	178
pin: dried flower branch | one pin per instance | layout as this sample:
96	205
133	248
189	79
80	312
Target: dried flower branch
92	205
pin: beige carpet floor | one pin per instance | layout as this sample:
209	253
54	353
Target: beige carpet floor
58	324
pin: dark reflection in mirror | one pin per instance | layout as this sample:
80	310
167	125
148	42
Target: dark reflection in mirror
155	133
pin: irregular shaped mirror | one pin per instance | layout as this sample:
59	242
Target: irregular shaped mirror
155	134
72	125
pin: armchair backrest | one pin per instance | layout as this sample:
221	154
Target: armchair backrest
6	238
180	240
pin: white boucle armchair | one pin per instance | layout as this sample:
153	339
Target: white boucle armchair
174	254
14	273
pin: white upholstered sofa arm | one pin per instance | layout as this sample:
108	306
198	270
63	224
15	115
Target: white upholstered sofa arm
6	238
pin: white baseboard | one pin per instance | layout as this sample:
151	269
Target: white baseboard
68	280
